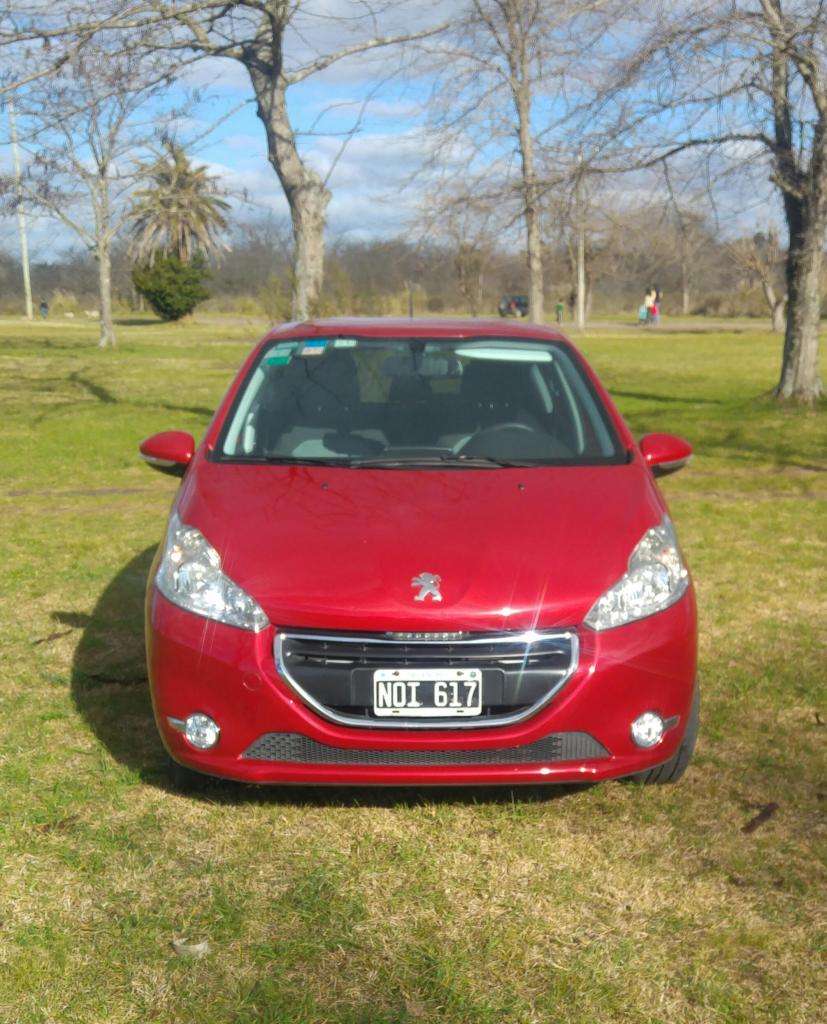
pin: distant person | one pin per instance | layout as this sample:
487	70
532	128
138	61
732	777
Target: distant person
657	305
649	303
559	309
44	309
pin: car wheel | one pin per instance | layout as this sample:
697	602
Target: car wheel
185	780
673	769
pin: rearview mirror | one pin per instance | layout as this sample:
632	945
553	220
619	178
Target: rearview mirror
665	453
170	451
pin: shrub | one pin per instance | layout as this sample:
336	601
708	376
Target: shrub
61	302
274	297
172	288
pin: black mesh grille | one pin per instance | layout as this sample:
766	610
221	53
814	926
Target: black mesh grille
292	747
520	672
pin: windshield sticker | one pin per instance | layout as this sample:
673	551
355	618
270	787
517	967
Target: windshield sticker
345	343
281	354
315	347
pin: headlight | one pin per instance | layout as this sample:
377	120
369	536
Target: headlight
655	579
190	576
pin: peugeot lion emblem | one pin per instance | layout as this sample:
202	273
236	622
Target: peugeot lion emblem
428	585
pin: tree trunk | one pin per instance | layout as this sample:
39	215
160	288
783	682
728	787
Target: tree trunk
685	272
107	327
805	207
531	194
776	306
307	195
103	237
308	208
534	254
800	380
581	273
778	315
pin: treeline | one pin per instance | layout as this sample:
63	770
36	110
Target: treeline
383	276
530	112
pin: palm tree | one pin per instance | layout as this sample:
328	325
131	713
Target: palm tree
179	213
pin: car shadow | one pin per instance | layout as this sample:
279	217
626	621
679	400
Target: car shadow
109	681
110	689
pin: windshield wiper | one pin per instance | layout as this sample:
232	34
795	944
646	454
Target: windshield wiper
441	461
417	462
488	460
298	460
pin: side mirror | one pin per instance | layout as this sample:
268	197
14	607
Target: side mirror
665	453
170	451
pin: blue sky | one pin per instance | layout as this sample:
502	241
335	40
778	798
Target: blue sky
376	191
373	193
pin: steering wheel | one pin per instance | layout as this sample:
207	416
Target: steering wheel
504	426
483	435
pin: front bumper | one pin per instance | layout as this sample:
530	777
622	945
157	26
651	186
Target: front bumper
196	664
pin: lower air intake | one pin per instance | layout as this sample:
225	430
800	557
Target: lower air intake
292	747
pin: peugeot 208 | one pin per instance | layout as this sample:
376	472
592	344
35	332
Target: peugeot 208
413	552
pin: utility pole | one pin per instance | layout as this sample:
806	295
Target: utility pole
21	214
581	247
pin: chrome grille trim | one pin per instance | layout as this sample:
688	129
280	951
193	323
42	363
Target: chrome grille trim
528	638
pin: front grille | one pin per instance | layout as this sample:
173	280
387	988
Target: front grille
333	673
291	747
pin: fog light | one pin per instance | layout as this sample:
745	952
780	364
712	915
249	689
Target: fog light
201	731
647	731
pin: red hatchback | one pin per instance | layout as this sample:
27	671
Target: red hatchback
420	552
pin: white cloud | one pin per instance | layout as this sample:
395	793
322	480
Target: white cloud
219	74
373	191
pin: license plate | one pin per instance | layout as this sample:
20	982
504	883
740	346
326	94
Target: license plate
427	692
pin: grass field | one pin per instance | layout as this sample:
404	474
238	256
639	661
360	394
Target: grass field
609	904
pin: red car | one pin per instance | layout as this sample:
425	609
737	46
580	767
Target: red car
420	552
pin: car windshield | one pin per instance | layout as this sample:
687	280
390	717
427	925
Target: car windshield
416	401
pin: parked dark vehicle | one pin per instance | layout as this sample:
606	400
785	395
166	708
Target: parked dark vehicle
513	305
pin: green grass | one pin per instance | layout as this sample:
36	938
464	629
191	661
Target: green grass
610	904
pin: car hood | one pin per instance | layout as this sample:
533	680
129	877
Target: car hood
338	548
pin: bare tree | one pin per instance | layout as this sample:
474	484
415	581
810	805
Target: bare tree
568	209
761	258
86	131
509	80
747	79
581	220
468	229
690	228
515	28
280	44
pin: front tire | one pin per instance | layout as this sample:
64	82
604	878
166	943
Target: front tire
670	771
185	780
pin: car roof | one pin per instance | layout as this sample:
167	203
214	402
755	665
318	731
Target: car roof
419	327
